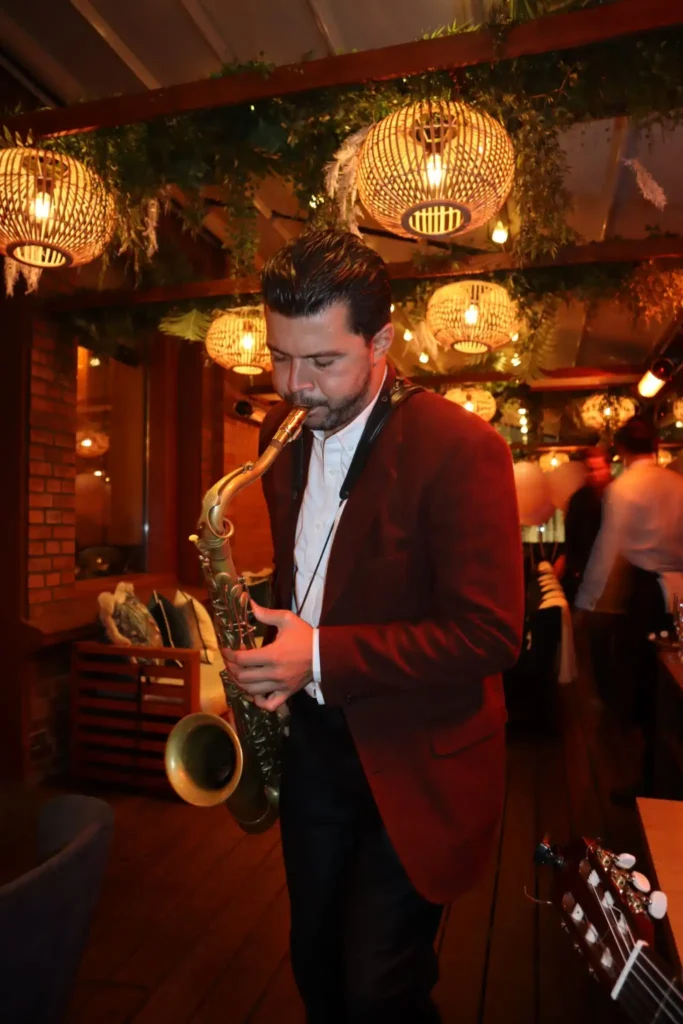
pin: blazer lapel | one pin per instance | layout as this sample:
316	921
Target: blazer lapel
359	514
287	509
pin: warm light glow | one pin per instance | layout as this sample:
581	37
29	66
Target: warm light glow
523	420
469	406
98	472
607	412
515	336
86	442
515	360
649	384
41	207
500	233
434	170
522	412
679	424
471	315
94	361
524	429
407	335
423	357
393	307
554	461
247	342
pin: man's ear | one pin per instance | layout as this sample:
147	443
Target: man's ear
381	343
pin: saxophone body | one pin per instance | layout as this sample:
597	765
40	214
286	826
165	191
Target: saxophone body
207	760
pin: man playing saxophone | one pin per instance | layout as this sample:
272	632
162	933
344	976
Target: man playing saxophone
398	602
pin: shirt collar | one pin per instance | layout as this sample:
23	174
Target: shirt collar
350	434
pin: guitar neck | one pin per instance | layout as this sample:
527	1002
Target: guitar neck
646	989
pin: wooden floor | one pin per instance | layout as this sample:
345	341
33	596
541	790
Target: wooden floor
193	920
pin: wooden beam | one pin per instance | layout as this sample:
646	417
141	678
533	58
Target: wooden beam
568	378
542	35
627	251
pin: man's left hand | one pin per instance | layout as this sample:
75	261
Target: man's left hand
273	673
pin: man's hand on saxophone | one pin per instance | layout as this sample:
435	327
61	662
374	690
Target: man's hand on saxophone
271	674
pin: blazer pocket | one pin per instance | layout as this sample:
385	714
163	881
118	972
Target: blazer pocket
450	740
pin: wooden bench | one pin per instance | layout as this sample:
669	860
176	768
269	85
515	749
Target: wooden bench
122	710
661	823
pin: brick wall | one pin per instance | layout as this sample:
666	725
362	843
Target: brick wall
52	472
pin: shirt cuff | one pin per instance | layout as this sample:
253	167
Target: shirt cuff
316	666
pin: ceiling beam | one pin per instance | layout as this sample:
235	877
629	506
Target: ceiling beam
542	35
574	378
622	251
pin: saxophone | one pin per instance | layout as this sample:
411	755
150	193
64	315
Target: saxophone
207	760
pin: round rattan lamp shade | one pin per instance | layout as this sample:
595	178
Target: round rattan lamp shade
472	316
237	341
474	400
435	169
54	211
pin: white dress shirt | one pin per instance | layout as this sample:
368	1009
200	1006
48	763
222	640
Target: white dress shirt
642	521
321	511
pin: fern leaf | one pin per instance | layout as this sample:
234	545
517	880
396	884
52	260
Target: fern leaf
191	326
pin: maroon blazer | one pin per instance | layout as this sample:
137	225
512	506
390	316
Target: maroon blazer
422	611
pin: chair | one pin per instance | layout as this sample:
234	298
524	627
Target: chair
45	914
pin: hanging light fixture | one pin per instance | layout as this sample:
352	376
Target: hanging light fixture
551	460
91	444
472	316
475	400
599	411
435	169
54	211
236	340
654	379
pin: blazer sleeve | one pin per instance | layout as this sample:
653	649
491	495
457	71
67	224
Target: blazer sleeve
475	621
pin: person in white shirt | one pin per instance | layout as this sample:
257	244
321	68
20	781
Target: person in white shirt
642	530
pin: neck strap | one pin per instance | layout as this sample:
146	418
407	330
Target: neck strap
391	396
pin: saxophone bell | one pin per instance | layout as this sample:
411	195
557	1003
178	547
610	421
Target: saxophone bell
203	759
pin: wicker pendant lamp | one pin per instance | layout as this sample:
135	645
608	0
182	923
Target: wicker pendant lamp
54	211
474	400
472	316
236	340
435	169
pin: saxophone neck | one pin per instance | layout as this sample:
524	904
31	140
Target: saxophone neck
218	499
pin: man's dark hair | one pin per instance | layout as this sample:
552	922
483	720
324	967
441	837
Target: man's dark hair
637	437
320	268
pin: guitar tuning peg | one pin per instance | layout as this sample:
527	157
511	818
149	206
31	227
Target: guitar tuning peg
640	882
657	905
625	861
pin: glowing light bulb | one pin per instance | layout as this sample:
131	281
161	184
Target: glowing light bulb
607	412
434	170
86	442
41	206
522	412
515	336
524	429
98	472
471	315
407	335
94	361
515	360
500	233
469	405
554	461
523	420
423	357
679	424
247	342
393	307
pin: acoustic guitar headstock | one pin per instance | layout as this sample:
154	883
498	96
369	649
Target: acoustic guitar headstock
607	907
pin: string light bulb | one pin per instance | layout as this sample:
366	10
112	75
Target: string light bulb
408	335
500	234
423	357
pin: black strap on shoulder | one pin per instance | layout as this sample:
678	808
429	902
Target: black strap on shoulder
391	396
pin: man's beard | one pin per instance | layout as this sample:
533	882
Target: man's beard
336	416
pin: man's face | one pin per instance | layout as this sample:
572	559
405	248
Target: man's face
320	364
598	471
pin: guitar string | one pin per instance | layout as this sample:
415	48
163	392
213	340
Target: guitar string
643	970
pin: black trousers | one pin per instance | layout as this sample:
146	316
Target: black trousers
362	938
